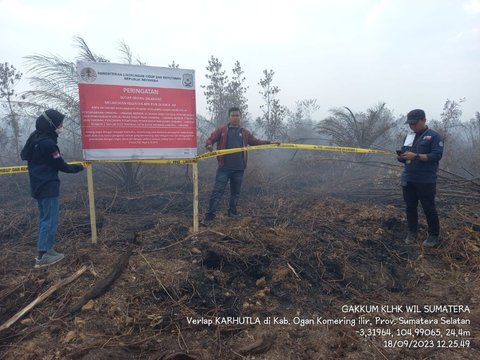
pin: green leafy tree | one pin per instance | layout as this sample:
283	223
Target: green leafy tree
271	121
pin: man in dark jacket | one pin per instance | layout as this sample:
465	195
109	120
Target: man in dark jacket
421	154
230	167
44	163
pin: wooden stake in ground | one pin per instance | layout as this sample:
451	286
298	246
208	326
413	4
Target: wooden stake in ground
42	297
195	197
91	203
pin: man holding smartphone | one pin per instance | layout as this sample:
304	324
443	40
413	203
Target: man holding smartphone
421	153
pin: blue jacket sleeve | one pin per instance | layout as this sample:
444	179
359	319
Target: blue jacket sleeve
55	160
436	151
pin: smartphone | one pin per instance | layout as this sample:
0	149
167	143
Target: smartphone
400	152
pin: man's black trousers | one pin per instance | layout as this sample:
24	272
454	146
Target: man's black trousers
425	193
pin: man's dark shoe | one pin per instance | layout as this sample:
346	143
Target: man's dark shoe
432	241
233	215
411	238
207	220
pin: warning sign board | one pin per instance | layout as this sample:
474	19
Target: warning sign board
136	112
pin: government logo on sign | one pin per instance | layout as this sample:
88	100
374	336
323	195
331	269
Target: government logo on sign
88	74
187	80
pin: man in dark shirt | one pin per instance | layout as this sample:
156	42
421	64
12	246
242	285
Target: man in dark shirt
232	166
421	154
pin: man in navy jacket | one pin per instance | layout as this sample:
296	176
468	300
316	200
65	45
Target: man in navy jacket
44	163
421	156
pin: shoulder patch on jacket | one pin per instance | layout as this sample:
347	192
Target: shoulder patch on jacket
56	154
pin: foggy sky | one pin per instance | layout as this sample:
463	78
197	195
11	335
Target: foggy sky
408	53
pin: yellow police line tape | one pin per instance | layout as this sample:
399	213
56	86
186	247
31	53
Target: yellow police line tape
20	169
294	146
24	168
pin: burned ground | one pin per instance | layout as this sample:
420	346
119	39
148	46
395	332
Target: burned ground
296	251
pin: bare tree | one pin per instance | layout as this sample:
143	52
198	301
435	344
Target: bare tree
216	92
3	144
299	122
236	90
9	77
450	116
223	93
126	55
462	148
473	130
271	121
449	127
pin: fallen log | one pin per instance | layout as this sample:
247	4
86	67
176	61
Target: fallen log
263	344
177	356
42	297
102	286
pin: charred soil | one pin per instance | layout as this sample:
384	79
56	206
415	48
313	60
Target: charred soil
280	282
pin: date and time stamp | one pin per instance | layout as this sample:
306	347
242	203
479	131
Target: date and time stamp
414	326
394	326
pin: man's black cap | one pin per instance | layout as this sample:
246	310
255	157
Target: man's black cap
415	116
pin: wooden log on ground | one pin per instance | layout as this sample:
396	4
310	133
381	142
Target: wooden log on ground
102	286
42	297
